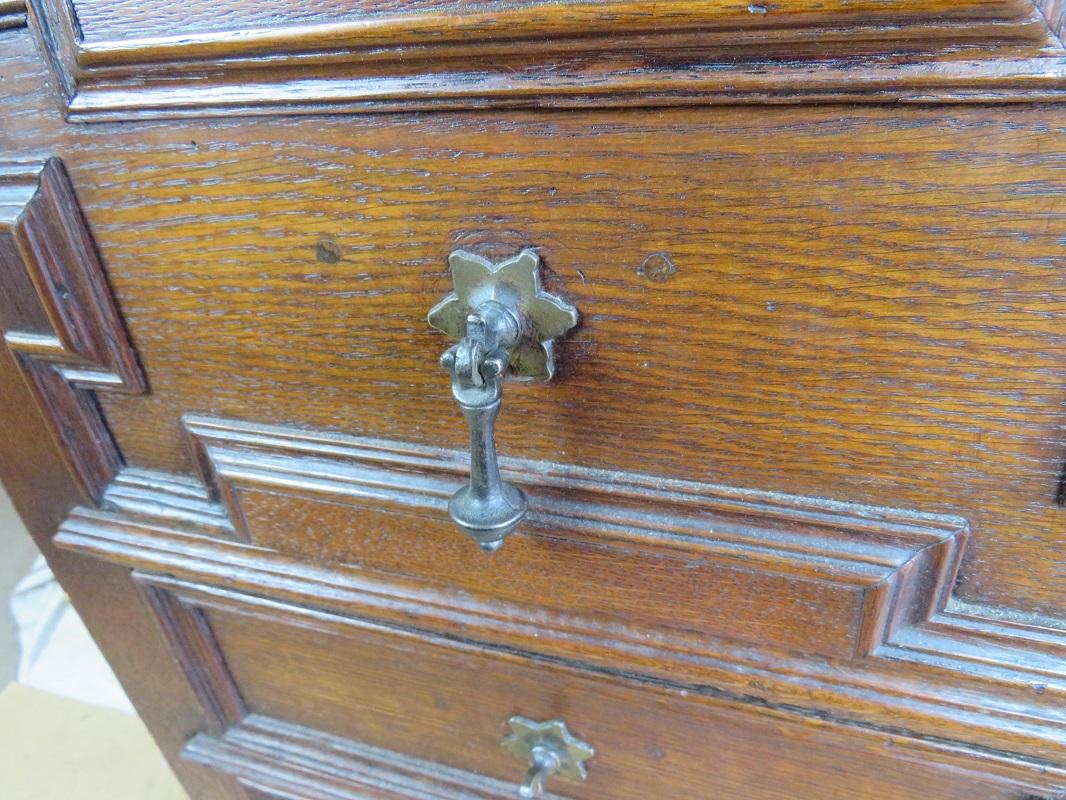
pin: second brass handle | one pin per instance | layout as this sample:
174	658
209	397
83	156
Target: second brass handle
548	748
505	323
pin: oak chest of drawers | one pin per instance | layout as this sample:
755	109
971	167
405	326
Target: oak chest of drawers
775	299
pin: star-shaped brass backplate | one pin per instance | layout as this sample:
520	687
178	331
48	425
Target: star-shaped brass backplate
527	734
515	283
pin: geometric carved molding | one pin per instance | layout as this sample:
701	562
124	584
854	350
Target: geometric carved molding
767	568
360	526
114	62
271	756
193	645
282	759
59	319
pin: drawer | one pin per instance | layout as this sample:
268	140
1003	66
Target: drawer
796	486
601	553
359	707
797	301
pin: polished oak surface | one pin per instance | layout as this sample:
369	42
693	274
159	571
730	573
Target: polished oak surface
128	59
796	491
918	254
447	702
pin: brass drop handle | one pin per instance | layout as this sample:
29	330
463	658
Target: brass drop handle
487	508
549	748
505	323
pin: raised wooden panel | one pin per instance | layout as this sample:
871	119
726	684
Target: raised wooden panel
122	59
861	305
282	761
347	705
381	23
193	644
852	295
667	556
58	316
806	604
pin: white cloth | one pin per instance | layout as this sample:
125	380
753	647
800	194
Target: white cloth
57	654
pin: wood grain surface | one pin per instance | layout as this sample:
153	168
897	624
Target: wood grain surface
59	318
447	701
856	306
989	686
513	19
43	487
865	305
600	549
143	59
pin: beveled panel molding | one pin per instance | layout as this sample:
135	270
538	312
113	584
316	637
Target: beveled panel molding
113	63
856	601
806	575
58	317
316	761
277	760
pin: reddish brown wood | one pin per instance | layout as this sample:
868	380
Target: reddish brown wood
45	479
282	760
383	22
143	59
814	253
860	307
795	573
193	644
12	14
951	677
60	321
447	701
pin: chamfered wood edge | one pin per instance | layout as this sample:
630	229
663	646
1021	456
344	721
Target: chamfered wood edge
938	669
994	764
597	26
43	489
321	69
932	692
86	348
193	644
1054	13
842	554
284	760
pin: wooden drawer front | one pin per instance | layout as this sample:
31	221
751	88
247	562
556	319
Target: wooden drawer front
862	306
366	693
600	552
842	320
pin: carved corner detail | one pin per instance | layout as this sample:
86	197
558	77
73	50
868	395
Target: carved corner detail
59	319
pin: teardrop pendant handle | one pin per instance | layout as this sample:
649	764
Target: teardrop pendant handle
506	324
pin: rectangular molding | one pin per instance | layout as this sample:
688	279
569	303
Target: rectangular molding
310	761
917	660
805	575
194	646
59	319
282	760
114	65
